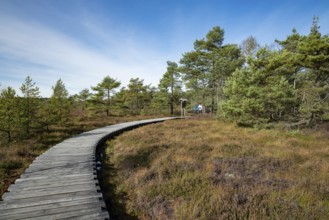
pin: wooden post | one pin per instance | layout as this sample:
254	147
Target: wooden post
182	107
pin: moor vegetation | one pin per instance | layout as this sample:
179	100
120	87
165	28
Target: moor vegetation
204	169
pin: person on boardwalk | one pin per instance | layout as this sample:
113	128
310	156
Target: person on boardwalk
195	109
200	107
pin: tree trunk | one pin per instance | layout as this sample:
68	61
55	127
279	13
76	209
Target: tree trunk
172	95
172	102
171	106
212	101
108	103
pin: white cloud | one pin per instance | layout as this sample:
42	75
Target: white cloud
98	46
47	55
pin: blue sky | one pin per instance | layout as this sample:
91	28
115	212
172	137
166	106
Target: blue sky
82	41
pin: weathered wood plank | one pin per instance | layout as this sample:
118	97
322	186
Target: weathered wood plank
45	192
66	177
11	211
50	199
78	214
51	184
58	172
61	167
51	210
50	191
102	215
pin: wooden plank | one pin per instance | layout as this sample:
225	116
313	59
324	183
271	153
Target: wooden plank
48	211
74	214
65	155
51	184
47	192
48	206
66	177
102	215
61	166
58	172
51	199
54	187
43	166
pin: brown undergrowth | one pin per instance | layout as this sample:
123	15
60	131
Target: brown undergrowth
206	169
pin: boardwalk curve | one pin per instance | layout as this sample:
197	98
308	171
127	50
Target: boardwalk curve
62	183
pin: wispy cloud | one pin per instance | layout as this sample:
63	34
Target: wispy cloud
30	48
82	41
270	23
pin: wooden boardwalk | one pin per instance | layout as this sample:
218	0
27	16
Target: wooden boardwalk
62	183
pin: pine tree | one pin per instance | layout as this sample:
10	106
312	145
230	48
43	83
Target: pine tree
306	63
208	50
83	97
314	94
229	59
195	71
138	96
9	117
104	92
119	101
29	105
59	103
45	114
170	86
207	67
259	93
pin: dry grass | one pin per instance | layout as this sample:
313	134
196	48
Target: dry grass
15	157
205	169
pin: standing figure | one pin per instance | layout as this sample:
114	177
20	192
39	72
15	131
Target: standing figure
195	109
200	107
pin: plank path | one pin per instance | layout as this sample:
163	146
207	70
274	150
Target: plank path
62	182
